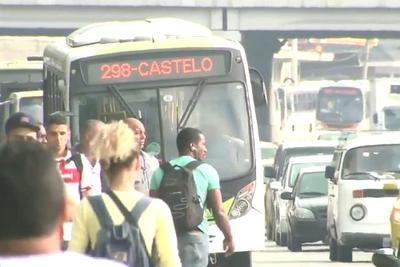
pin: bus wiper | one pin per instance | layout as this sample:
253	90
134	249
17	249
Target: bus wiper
369	174
192	104
117	95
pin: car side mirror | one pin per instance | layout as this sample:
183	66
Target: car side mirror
287	195
329	172
269	171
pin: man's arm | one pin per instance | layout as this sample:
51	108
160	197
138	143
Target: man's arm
215	202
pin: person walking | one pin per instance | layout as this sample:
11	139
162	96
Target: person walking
148	162
193	245
87	161
32	219
58	134
118	152
21	127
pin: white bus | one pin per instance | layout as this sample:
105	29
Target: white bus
171	74
385	104
297	106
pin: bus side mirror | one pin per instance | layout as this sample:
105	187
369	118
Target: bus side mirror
269	172
329	172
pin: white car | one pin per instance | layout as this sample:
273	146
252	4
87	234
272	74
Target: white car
290	173
364	181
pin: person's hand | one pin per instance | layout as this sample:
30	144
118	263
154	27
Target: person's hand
229	247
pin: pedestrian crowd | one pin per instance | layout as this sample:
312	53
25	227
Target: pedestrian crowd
105	202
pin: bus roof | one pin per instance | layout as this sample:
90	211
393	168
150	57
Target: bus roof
60	54
137	30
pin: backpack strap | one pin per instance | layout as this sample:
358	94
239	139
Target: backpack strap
76	158
133	216
100	209
193	165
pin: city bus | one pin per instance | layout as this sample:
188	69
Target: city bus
385	103
343	106
171	74
297	106
21	89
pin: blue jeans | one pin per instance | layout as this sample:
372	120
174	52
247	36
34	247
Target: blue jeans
193	249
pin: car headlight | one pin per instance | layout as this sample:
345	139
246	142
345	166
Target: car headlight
303	213
358	212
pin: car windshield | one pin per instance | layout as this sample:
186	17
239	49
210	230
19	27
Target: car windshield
372	162
296	168
312	184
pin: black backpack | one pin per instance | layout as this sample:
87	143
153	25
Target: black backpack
124	242
178	190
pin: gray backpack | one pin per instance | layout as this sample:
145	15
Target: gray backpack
178	190
124	242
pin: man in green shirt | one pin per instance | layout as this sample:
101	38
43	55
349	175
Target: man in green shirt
193	245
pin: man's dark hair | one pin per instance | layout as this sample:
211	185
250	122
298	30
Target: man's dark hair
185	138
56	119
31	191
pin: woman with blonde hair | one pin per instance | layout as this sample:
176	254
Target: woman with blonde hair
118	151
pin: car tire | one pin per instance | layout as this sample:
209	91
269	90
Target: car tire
344	253
293	244
332	249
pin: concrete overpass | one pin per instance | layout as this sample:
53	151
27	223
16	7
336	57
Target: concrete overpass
54	17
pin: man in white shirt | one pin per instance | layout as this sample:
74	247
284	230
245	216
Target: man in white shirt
148	162
90	166
32	220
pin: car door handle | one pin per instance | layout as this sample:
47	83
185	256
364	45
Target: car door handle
331	195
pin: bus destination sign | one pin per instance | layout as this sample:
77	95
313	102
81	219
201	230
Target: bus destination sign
128	69
341	91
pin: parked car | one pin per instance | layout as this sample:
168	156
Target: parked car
364	181
306	209
290	173
283	154
268	151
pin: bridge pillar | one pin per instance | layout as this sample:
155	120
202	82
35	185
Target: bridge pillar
260	47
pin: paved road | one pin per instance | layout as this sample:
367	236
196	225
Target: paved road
313	255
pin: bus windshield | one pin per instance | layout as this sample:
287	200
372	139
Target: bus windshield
340	106
32	106
220	113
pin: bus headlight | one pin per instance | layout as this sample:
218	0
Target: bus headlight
302	213
357	212
243	199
